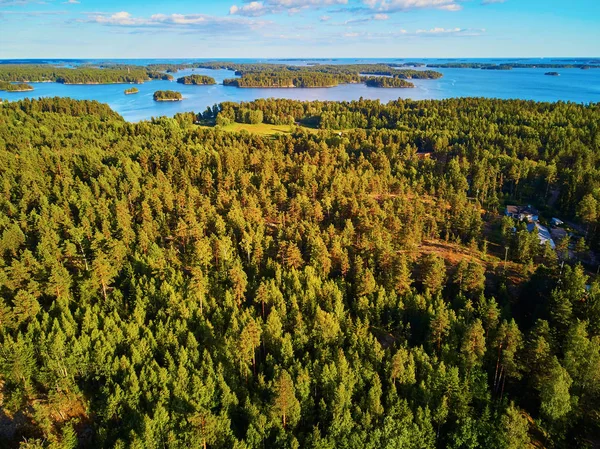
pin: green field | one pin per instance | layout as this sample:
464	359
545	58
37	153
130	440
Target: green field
263	129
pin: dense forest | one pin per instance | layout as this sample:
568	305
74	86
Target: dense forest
167	95
165	284
196	79
387	81
15	87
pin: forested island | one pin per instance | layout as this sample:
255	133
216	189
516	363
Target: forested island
289	76
174	285
167	95
15	87
386	81
131	91
78	75
287	79
196	79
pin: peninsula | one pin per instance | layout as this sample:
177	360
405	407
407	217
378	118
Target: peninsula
15	87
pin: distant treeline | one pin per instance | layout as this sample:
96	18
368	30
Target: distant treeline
196	79
509	66
79	75
332	69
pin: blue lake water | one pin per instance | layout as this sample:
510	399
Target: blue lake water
576	85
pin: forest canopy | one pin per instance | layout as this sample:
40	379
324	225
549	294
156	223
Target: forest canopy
166	284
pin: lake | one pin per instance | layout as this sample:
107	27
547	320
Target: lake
581	86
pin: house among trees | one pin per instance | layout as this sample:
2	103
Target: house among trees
542	232
522	213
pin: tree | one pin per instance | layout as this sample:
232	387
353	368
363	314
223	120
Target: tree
402	367
470	276
199	286
433	273
588	210
249	340
554	392
508	342
515	428
440	323
285	403
473	344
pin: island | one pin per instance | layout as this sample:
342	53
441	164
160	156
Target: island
256	75
17	87
79	75
386	81
167	95
284	78
552	74
198	80
131	91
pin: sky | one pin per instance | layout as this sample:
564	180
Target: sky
298	28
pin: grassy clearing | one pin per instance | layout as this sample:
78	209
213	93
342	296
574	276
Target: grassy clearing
263	129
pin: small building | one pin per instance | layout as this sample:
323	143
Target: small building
542	233
522	213
556	222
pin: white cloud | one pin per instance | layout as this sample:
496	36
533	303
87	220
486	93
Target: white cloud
252	9
451	32
405	5
193	22
380	16
417	34
33	13
71	2
325	18
261	8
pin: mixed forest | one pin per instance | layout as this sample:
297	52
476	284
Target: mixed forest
345	285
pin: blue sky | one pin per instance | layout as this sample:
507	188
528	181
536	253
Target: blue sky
298	28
